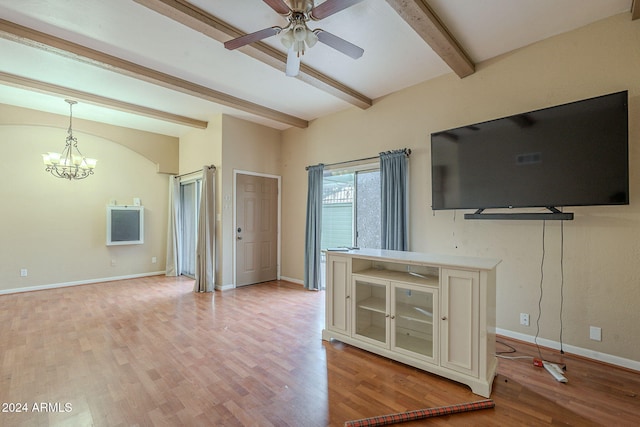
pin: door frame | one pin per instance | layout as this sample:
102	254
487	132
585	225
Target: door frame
237	172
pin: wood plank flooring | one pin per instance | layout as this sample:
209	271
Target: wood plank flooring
150	352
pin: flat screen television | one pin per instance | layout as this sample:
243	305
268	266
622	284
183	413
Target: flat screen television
574	154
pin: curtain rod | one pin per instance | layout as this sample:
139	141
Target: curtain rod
199	170
406	151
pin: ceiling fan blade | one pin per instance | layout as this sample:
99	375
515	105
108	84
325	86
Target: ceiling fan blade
330	7
279	6
250	38
293	63
339	44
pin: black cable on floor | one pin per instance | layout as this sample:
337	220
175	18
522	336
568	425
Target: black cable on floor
512	349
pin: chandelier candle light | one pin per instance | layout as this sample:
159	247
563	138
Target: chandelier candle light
70	164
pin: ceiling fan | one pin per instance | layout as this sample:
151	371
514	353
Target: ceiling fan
297	37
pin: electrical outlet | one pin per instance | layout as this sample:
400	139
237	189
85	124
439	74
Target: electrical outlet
524	319
23	272
595	333
113	262
154	260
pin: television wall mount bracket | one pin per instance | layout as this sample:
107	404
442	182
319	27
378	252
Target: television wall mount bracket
554	214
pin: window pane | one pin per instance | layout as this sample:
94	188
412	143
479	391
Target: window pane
368	209
189	205
337	211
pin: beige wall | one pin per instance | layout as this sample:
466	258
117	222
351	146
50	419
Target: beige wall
55	228
602	244
230	144
160	149
247	147
201	147
197	149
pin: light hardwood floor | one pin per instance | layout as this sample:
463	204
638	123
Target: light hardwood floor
150	352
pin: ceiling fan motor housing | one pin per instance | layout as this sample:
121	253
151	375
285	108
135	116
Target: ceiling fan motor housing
303	6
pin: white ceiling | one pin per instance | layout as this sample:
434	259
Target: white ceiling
395	56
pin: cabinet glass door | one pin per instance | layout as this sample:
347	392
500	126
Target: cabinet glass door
414	310
371	318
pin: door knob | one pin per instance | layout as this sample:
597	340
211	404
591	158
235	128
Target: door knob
444	317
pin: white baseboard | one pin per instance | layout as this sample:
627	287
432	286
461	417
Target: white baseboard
579	351
292	280
79	282
232	286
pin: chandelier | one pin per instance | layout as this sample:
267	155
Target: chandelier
70	164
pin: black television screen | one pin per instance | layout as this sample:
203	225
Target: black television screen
574	154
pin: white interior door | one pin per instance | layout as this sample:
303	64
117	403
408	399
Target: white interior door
256	229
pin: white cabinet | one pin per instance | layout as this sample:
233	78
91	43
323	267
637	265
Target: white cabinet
370	308
436	313
395	315
459	323
414	318
338	309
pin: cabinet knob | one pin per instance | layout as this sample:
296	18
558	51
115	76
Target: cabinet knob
348	296
386	315
393	317
444	317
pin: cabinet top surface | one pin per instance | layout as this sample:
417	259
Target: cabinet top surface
421	258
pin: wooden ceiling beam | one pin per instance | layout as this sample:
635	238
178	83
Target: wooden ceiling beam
49	43
426	23
89	98
200	20
635	10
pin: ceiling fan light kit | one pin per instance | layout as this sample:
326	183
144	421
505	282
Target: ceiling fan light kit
297	37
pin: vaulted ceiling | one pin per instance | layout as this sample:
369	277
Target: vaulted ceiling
161	65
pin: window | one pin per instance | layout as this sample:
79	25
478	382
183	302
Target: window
189	207
367	221
350	209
